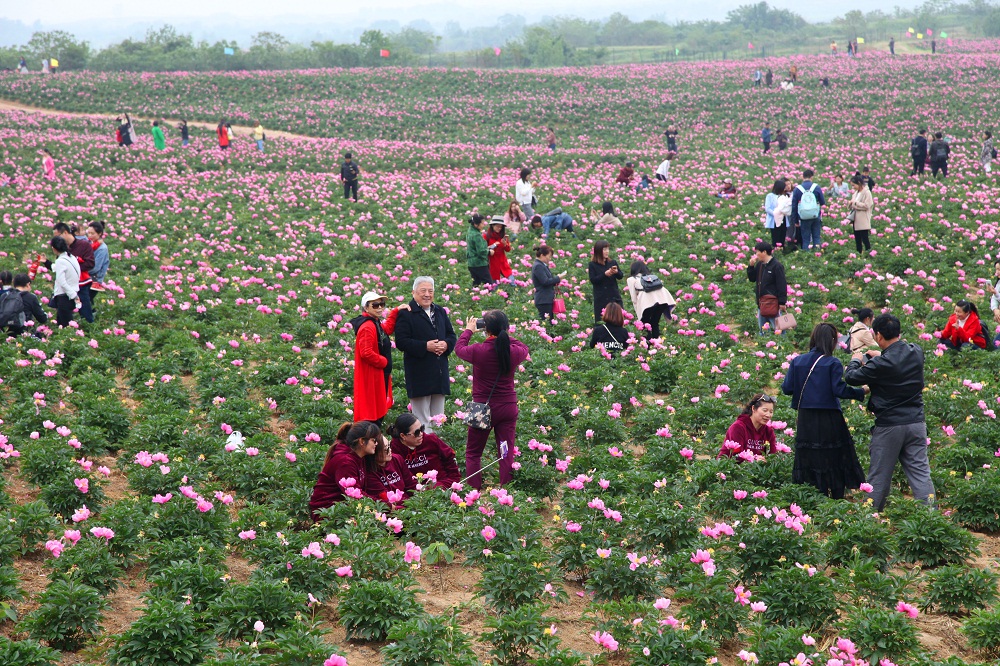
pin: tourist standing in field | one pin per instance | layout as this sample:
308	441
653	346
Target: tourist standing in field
423	451
769	77
663	171
939	152
993	289
514	218
544	282
425	336
66	283
182	127
807	211
650	302
782	139
499	245
671	135
604	275
986	153
349	172
771	222
223	135
126	131
477	252
765	136
750	435
859	337
48	164
783	217
892	46
258	136
159	140
82	251
824	448
494	362
373	358
770	286
524	193
550	138
895	377
918	151
102	258
838	188
861	205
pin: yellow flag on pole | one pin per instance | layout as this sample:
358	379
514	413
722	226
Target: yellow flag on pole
911	30
861	40
920	35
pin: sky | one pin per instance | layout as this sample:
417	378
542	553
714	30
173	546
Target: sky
468	12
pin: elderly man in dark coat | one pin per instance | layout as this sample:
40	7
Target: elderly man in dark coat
425	336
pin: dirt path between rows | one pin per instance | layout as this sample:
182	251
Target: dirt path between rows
7	105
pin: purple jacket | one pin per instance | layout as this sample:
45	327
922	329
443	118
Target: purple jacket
486	367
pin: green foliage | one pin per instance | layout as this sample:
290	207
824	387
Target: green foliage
89	562
428	641
776	644
63	497
167	633
194	583
261	599
193	549
370	608
982	629
796	598
517	637
976	501
618	576
677	646
70	612
931	538
27	653
32	525
956	589
514	578
767	545
881	633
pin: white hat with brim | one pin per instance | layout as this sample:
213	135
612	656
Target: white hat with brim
369	297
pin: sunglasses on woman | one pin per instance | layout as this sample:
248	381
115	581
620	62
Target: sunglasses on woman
416	433
379	304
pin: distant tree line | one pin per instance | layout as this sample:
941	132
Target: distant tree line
511	42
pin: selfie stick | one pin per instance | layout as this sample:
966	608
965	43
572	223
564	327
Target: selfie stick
503	454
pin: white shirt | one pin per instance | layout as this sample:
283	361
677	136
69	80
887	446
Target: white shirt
67	272
663	169
783	210
523	192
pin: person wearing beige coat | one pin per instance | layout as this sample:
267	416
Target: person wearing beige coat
862	204
649	306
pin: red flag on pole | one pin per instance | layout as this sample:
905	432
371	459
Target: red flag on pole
749	45
384	53
496	50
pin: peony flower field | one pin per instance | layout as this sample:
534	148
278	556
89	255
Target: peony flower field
158	464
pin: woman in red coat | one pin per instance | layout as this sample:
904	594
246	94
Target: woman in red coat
423	451
348	464
964	328
223	133
497	241
373	359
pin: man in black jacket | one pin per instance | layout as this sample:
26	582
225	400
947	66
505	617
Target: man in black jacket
939	150
918	151
770	286
895	378
425	336
349	172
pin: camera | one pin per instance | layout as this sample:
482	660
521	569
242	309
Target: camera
480	324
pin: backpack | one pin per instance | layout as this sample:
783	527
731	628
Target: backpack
808	205
940	151
11	308
914	149
987	335
650	283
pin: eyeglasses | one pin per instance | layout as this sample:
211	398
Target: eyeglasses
380	304
416	433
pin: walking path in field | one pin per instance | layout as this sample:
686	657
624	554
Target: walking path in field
7	105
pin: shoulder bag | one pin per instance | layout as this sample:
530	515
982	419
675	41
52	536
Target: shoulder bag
479	416
767	303
808	375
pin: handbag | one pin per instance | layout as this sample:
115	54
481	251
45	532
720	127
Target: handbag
785	322
558	305
769	306
650	283
479	416
851	216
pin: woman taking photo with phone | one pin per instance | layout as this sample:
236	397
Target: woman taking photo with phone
604	275
544	281
493	364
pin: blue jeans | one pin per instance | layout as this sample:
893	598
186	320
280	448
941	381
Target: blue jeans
811	231
557	222
260	145
771	321
85	309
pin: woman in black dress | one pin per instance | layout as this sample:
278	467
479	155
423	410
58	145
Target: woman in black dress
604	275
824	448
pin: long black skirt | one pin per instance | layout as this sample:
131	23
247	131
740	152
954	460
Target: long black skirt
825	456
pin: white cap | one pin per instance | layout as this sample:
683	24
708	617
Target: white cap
368	298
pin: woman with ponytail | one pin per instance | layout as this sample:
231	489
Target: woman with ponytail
352	456
493	364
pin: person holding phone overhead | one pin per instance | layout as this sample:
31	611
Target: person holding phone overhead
604	275
494	362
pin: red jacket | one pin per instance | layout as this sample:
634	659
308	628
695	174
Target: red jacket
432	453
394	476
343	464
749	438
372	389
223	134
625	176
84	253
959	335
499	265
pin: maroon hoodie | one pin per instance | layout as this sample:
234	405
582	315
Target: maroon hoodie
759	442
432	453
394	476
343	464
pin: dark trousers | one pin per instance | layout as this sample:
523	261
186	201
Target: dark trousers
86	310
660	176
599	306
64	309
504	417
480	275
918	166
652	315
861	237
767	146
939	165
778	235
351	189
544	311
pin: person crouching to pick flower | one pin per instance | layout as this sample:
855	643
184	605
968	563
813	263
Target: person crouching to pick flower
750	435
423	451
